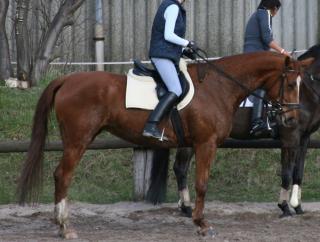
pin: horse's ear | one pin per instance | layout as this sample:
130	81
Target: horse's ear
307	62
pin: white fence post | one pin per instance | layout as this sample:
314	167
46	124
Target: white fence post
142	162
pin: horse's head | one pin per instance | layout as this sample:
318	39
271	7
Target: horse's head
285	90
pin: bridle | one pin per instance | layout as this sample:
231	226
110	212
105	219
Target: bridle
284	77
277	106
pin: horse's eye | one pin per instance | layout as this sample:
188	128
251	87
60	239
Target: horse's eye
292	86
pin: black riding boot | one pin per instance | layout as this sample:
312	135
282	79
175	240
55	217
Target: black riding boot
165	104
258	126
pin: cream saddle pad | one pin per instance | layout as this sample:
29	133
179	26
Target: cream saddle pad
141	90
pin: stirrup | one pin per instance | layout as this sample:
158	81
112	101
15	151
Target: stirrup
155	134
162	138
260	127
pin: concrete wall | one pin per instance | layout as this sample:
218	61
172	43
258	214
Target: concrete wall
216	25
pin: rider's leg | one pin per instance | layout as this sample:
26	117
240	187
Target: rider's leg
257	123
169	75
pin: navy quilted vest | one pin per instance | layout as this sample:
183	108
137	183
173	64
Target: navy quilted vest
159	47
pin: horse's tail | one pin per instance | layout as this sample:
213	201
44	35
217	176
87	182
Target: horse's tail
159	176
30	181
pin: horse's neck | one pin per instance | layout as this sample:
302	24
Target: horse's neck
251	74
310	99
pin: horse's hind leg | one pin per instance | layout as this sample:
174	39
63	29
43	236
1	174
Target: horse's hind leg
180	167
63	175
75	140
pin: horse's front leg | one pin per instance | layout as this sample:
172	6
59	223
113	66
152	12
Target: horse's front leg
298	171
205	154
180	167
288	157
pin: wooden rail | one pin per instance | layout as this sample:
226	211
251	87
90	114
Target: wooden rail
116	143
142	156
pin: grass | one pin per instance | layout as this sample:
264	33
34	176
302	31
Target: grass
107	176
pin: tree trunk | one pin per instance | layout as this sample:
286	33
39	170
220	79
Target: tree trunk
44	54
5	65
24	63
32	67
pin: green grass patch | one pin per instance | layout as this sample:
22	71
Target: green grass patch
107	176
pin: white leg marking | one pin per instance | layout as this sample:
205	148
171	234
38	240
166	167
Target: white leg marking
184	197
294	201
284	195
61	212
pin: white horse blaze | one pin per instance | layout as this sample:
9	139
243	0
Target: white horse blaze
298	87
184	197
295	196
61	212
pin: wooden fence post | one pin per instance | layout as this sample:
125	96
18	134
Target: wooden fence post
142	165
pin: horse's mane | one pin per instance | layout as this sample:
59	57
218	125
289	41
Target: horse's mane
246	55
314	52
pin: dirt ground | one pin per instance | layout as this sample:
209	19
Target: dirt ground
144	222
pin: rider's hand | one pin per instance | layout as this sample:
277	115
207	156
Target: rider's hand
192	45
189	53
284	52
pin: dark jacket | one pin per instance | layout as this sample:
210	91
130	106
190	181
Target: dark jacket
258	33
159	47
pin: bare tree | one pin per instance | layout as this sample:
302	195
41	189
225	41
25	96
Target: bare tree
5	65
31	66
22	40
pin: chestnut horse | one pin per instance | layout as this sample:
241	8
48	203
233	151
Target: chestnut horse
294	142
86	103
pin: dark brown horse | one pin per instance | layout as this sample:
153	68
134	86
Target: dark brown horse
295	140
86	103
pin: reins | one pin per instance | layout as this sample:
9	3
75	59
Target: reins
276	105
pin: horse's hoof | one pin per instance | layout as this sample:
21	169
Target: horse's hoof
69	234
299	210
285	215
285	210
207	232
186	210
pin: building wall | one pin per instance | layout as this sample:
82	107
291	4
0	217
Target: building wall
216	25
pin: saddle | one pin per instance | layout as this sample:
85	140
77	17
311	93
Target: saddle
140	69
151	77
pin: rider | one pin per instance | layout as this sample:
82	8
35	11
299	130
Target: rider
259	37
167	42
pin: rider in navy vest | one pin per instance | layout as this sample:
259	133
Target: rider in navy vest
166	45
259	37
